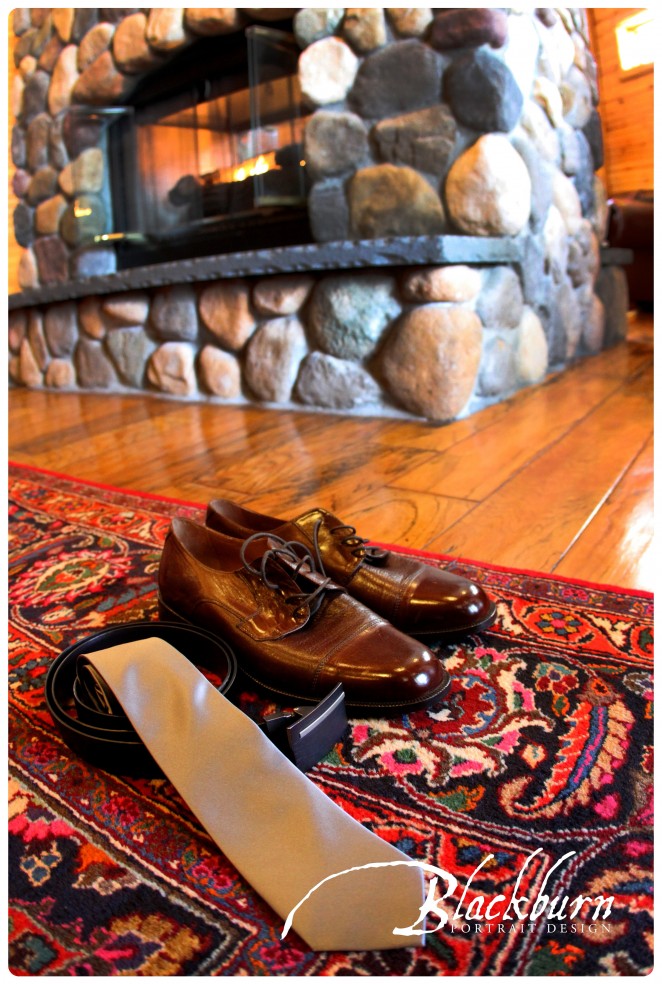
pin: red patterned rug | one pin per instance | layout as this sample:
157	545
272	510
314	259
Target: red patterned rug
541	752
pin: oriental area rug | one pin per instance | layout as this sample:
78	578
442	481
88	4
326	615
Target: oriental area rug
530	782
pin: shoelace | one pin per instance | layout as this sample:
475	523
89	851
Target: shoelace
357	544
295	555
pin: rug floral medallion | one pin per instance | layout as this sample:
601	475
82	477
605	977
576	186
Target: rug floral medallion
530	783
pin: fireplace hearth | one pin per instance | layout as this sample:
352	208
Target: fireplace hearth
375	210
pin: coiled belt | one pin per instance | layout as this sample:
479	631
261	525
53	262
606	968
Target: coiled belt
93	724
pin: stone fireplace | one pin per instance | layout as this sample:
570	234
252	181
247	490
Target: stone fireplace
398	216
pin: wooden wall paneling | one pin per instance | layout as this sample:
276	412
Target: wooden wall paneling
626	108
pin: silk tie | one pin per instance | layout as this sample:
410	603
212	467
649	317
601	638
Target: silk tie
281	832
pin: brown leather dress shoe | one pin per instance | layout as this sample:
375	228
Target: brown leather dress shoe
416	598
295	632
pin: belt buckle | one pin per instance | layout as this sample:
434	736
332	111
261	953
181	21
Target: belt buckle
308	733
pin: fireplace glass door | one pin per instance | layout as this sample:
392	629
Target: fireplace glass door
217	164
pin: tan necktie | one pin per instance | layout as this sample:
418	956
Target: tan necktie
277	828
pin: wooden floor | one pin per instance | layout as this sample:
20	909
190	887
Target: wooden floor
557	479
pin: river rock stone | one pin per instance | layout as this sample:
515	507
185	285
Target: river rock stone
541	173
282	295
583	255
84	20
488	189
482	92
212	20
129	349
130	49
468	28
49	56
61	328
27	271
37	339
336	384
17	325
96	41
63	22
273	355
497	375
593	133
128	309
536	125
424	139
35	96
171	369
593	332
456	284
410	22
566	199
398	79
93	262
94	370
385	200
314	23
577	98
431	358
327	70
18	146
83	220
328	211
17	91
102	83
57	151
364	28
165	29
556	244
60	374
500	302
115	15
174	313
79	133
84	174
531	356
612	289
65	76
48	213
23	224
548	95
219	373
334	143
91	317
348	314
20	182
52	260
21	20
29	372
37	141
225	310
584	177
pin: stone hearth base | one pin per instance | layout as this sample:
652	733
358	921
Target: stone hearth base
434	327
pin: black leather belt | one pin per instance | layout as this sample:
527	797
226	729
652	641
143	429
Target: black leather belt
93	724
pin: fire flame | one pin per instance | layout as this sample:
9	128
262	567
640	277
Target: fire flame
259	165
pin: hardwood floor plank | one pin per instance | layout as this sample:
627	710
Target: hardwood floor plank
477	466
617	544
535	516
557	477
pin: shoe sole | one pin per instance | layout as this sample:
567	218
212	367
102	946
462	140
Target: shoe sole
167	614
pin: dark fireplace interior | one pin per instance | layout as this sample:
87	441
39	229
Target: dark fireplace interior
208	158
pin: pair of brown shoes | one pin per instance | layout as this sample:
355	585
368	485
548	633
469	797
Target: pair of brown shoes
307	604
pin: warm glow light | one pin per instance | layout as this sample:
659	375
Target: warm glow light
635	37
259	165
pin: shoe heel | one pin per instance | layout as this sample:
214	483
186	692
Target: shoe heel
167	614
